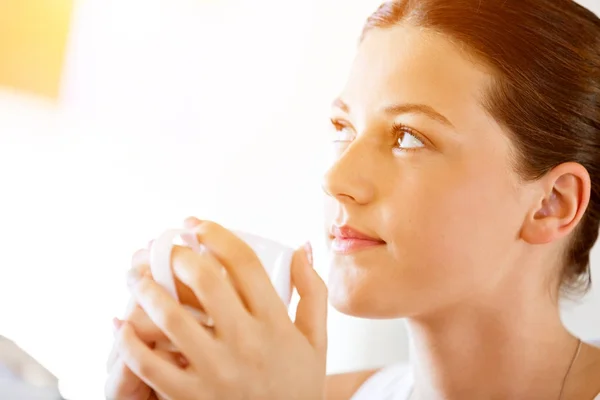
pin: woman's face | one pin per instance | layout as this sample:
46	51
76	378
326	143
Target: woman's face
420	165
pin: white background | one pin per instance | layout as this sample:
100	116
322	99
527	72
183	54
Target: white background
174	108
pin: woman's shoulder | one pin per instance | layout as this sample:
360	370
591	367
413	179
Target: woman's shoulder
595	375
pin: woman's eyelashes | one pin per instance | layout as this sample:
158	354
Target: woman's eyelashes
405	138
342	132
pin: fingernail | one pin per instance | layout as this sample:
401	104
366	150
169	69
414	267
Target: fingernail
191	222
309	253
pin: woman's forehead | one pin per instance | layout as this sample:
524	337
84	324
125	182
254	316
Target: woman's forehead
416	65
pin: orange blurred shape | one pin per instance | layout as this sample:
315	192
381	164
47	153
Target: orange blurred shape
33	41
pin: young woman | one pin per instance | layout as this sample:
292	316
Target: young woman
465	197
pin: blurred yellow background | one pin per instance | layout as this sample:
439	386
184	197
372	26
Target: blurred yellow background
33	41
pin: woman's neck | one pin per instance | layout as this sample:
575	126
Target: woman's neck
516	347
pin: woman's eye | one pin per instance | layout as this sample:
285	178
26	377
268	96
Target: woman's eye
341	132
409	141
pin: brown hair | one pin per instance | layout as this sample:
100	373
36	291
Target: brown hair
545	55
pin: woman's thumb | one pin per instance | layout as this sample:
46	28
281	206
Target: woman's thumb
311	314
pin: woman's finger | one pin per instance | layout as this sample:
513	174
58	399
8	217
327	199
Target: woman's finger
122	383
154	370
178	324
114	354
145	328
141	260
203	274
242	264
311	314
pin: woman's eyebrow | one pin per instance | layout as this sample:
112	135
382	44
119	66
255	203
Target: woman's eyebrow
339	103
411	108
405	108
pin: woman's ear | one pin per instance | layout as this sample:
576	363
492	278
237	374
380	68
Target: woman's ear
565	195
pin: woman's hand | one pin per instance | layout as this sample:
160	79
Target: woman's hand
122	383
254	351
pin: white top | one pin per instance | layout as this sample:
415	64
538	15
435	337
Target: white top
395	382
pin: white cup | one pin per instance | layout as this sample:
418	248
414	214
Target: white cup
276	258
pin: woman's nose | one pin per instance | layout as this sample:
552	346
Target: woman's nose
348	179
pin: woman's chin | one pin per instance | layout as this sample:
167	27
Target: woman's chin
372	293
354	293
348	305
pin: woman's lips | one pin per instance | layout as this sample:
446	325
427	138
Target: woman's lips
345	240
343	245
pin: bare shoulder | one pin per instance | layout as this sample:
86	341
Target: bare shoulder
343	386
587	374
595	370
